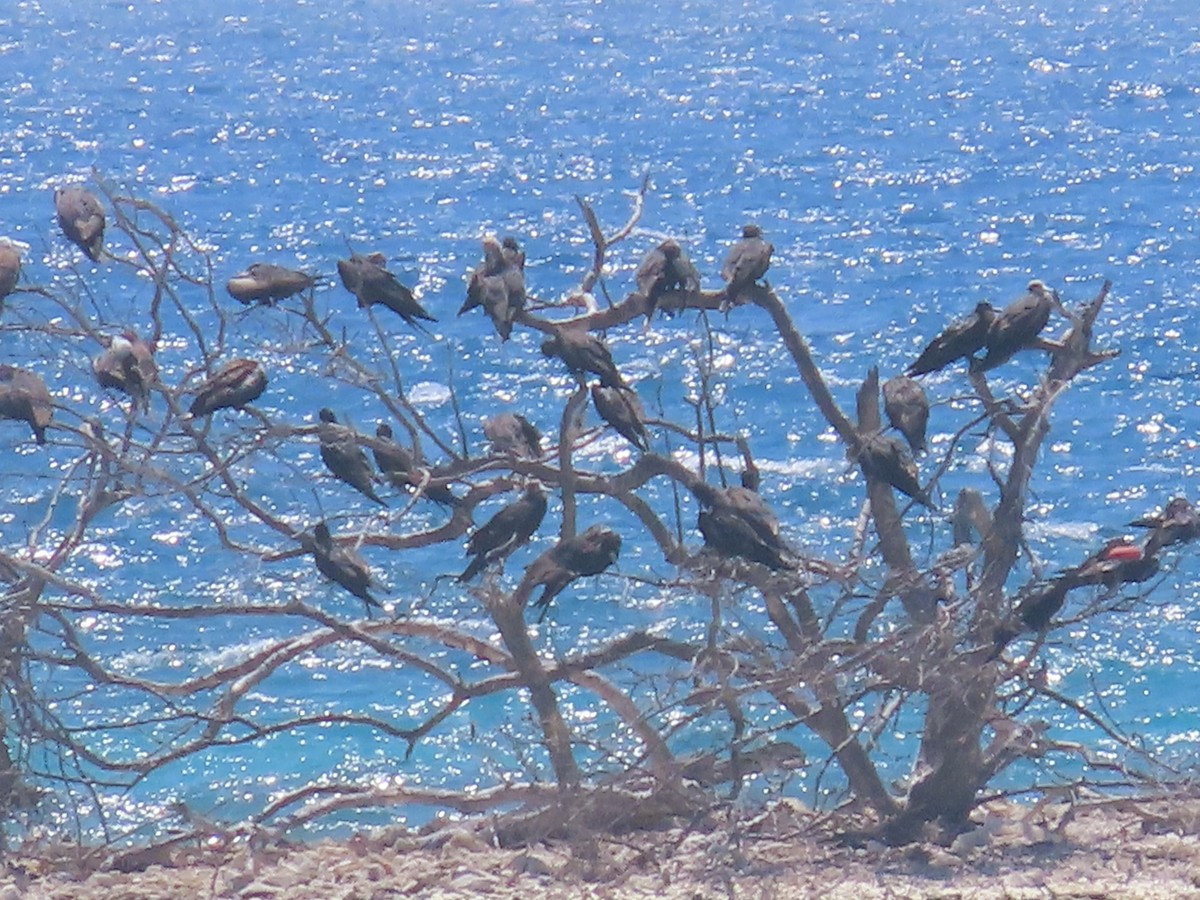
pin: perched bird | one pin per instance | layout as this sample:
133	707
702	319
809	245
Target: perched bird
402	468
235	384
621	408
1176	524
25	398
343	565
961	339
1016	326
747	262
370	283
588	553
10	269
264	283
1117	563
498	284
736	521
395	461
907	409
513	254
884	457
665	268
504	532
343	457
583	352
127	364
513	434
81	218
971	522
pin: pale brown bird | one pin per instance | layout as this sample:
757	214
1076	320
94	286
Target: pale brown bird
10	269
264	283
512	433
238	382
666	268
81	217
127	364
747	262
907	409
25	398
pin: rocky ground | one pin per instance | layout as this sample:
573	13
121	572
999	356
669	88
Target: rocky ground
1122	849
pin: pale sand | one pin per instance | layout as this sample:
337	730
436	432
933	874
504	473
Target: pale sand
1116	850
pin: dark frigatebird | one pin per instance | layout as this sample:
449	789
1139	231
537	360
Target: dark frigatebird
961	339
498	284
344	457
666	268
343	565
10	269
588	553
1016	327
583	352
370	283
884	457
621	408
504	532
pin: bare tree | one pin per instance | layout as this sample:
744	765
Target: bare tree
922	618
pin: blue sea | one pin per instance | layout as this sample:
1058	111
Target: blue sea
907	159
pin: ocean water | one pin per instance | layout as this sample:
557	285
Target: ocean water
907	160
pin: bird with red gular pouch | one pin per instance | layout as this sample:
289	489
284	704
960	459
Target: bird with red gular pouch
238	382
127	364
588	553
504	532
24	397
746	263
265	283
81	218
344	457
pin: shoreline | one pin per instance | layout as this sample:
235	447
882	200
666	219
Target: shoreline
1110	849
